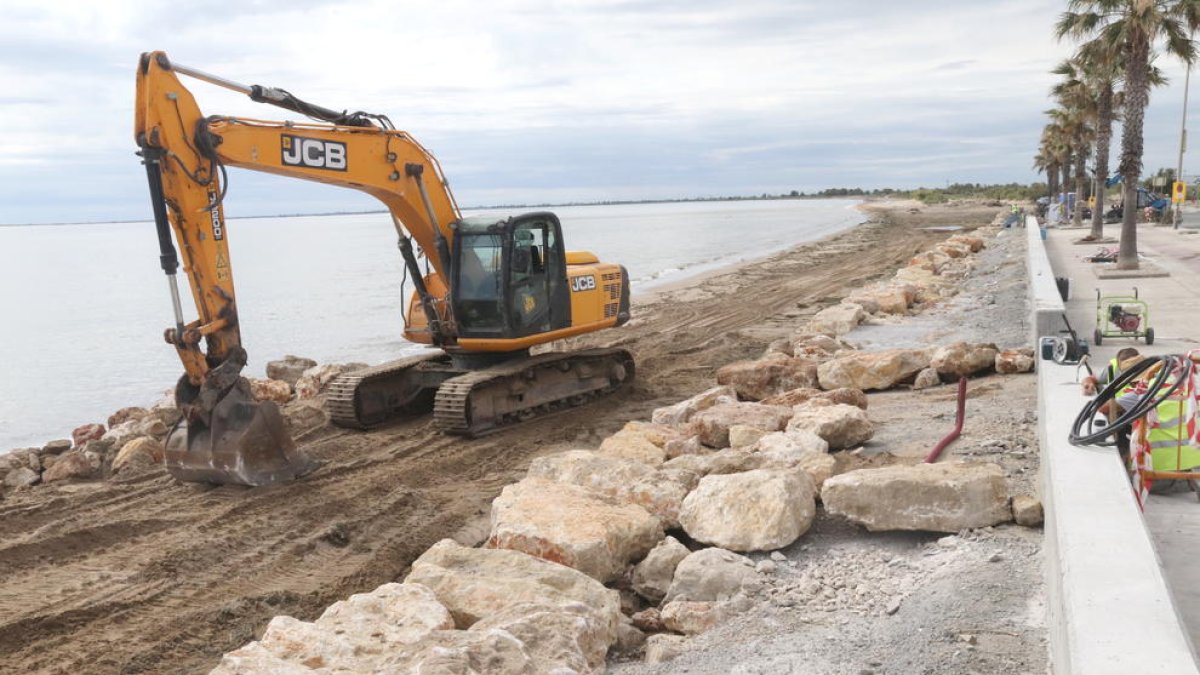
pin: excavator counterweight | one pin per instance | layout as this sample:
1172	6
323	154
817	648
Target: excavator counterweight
491	290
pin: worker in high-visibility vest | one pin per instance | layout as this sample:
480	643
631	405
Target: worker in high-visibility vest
1172	447
1114	369
1124	360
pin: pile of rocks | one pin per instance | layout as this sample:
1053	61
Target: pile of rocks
929	277
818	356
131	441
634	545
638	544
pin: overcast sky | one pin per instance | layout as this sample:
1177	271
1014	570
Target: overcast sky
534	102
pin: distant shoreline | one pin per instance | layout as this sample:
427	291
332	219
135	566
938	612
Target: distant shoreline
619	202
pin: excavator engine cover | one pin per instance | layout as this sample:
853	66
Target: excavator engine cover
226	437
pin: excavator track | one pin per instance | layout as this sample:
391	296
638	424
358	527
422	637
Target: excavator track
397	392
484	401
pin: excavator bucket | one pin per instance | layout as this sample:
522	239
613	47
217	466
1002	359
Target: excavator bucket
232	439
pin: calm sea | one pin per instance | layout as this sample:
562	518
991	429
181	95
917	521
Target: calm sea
83	307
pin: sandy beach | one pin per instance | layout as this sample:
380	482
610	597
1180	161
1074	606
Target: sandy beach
150	575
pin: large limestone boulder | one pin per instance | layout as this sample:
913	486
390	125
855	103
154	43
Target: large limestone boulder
1012	361
1027	510
691	618
454	652
70	466
139	453
929	287
570	525
152	426
837	320
842	426
633	443
393	613
303	415
953	250
624	481
21	477
365	633
792	442
759	510
974	244
712	574
126	414
661	435
474	583
756	380
847	395
817	346
26	457
894	299
124	432
963	358
712	425
794	449
884	298
411	632
931	261
741	435
872	370
289	369
928	377
680	413
84	433
270	390
651	577
819	466
945	497
315	379
562	638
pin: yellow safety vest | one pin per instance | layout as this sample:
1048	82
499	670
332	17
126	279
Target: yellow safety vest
1170	447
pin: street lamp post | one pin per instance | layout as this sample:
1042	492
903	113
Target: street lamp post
1182	140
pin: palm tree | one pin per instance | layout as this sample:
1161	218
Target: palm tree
1132	28
1094	70
1043	162
1076	114
1054	156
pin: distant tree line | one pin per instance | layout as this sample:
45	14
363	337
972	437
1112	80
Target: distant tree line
1006	192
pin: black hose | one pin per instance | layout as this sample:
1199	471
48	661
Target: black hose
1171	363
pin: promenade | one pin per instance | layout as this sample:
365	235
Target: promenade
1173	520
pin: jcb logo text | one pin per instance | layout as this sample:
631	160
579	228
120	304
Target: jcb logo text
313	153
583	283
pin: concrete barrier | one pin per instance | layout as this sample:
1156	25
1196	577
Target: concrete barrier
1044	299
1109	608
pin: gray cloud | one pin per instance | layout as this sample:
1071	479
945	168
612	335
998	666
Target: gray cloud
533	101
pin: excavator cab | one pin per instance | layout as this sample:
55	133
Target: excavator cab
510	277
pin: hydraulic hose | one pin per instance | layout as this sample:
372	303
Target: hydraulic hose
959	417
1178	365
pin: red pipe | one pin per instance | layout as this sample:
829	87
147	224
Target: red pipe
958	423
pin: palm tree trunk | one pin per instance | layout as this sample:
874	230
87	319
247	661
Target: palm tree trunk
1052	182
1103	140
1066	181
1080	180
1137	95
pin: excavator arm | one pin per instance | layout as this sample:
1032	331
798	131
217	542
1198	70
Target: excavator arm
185	154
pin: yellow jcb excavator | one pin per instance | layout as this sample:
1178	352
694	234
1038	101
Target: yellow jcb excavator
493	289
